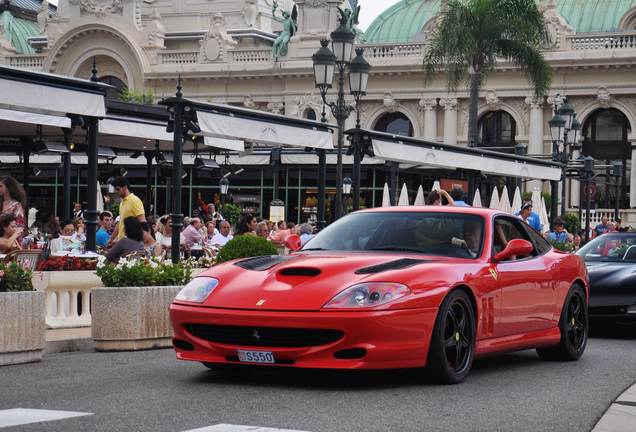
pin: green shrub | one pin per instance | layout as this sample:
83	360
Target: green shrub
231	213
572	223
15	277
245	246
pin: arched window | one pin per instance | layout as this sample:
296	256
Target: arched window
310	114
496	129
112	94
605	139
394	123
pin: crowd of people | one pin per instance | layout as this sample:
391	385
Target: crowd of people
132	231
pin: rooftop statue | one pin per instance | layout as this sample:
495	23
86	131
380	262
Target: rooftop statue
289	29
350	16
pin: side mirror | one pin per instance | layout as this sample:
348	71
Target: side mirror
514	247
292	241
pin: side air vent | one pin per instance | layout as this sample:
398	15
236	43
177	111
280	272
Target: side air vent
391	265
300	271
262	262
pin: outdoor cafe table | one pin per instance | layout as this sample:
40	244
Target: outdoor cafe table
81	255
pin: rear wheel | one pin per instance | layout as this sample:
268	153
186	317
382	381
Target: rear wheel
574	328
452	348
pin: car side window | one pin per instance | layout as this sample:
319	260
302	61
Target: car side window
541	244
508	228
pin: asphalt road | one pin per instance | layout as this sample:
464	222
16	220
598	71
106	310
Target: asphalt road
152	391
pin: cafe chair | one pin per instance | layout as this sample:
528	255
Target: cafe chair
134	255
209	252
32	256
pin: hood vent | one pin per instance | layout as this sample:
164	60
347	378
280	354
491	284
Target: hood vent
300	271
391	265
262	262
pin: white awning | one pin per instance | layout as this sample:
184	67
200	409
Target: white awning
441	157
135	128
224	143
32	118
270	130
51	100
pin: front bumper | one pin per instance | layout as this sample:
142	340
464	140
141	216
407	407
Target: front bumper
370	339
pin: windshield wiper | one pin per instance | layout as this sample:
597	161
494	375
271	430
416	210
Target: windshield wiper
397	248
313	249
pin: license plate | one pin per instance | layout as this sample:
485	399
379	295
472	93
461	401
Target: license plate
255	356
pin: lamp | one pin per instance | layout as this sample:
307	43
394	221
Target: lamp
341	49
36	171
123	171
163	159
567	112
557	127
41	147
346	185
324	66
225	173
224	185
237	170
109	182
106	153
205	164
574	134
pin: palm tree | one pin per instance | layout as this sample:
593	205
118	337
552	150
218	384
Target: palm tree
473	35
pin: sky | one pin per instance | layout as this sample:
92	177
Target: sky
370	9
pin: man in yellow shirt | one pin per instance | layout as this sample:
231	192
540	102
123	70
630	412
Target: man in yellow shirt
130	205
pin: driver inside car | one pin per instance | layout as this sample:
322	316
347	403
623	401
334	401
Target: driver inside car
471	237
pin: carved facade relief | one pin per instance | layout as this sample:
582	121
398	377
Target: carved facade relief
605	99
390	103
276	107
250	12
100	8
305	103
216	41
493	101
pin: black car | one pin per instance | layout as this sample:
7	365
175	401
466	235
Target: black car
611	265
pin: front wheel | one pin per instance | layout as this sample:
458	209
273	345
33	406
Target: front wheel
452	348
574	327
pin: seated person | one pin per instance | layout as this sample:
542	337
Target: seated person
151	245
9	233
471	237
133	242
66	240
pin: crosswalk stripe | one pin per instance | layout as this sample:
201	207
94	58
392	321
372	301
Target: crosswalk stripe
22	416
240	428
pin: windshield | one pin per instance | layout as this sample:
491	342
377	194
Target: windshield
610	247
446	234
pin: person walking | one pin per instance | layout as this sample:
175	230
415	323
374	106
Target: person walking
130	205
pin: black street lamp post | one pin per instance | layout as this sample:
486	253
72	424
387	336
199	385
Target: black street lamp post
325	62
565	131
588	169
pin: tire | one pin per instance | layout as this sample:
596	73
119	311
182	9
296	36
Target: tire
452	349
574	326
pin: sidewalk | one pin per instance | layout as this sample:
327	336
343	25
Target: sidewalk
620	417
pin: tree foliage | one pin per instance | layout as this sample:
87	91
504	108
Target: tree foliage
473	35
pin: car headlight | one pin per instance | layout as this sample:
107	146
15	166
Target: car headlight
366	295
197	290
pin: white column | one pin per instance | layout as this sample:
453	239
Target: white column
430	118
450	120
535	137
632	179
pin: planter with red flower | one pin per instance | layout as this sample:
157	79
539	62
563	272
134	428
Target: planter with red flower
67	282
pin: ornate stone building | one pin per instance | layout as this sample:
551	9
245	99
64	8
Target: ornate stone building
221	49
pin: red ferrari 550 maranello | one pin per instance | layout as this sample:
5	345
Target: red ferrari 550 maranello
395	287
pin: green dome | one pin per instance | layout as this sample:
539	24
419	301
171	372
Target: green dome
17	30
407	18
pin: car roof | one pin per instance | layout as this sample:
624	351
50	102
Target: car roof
481	211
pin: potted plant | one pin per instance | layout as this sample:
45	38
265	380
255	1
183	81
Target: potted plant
130	312
67	282
22	328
